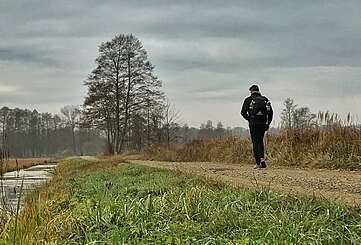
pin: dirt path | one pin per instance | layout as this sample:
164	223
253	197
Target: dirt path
86	158
339	185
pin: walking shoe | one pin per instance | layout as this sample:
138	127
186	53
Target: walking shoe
263	164
258	166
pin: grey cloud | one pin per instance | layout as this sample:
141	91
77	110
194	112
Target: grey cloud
219	95
203	50
34	98
26	55
281	30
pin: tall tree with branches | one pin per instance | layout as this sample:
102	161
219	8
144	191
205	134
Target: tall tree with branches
122	85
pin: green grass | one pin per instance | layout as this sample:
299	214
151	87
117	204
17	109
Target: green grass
102	203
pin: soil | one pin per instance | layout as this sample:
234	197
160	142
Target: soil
336	185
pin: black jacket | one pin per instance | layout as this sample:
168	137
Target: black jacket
252	121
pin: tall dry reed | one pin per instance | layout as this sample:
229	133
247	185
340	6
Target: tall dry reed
328	143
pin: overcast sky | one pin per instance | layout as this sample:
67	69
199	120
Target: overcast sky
207	53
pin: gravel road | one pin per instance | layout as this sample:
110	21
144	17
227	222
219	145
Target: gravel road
340	185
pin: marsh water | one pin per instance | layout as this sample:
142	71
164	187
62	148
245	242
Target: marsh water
17	184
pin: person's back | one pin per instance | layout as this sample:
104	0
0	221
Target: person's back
257	110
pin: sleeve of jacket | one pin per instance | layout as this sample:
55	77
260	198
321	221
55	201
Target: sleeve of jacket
270	114
244	110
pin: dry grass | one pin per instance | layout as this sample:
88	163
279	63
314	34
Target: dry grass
17	164
229	150
331	146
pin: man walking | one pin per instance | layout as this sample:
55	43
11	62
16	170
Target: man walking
257	110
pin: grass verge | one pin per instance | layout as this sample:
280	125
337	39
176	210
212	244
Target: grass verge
111	203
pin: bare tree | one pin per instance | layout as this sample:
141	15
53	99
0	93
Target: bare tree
171	118
296	117
302	117
71	115
122	86
219	131
287	113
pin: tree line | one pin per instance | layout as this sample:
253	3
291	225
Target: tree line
26	133
124	110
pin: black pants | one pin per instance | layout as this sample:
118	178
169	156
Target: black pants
257	135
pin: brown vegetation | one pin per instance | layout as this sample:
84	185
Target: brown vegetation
329	146
17	164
